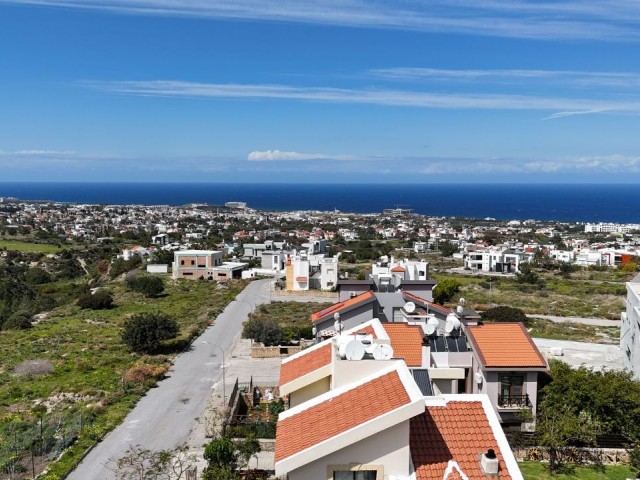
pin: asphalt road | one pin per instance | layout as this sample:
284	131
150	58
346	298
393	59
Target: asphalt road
164	418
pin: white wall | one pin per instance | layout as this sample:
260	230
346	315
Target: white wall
389	448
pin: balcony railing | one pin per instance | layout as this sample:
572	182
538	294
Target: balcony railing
514	401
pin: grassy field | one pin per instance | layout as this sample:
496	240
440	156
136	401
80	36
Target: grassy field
537	471
91	362
292	317
577	332
27	246
558	296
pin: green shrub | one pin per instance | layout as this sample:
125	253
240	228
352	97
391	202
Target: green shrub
146	284
504	314
146	331
445	290
101	300
20	320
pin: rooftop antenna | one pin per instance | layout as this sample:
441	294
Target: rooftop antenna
338	325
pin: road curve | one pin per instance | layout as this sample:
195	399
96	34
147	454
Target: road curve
164	417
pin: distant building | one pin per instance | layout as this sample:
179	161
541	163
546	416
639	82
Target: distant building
630	329
196	264
241	205
160	239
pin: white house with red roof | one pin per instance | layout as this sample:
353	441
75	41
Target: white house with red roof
359	416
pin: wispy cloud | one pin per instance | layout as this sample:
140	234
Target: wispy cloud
570	77
397	98
279	155
560	19
611	164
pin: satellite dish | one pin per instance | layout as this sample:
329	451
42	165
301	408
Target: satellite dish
452	323
382	352
410	307
459	309
336	316
354	350
461	301
338	326
432	325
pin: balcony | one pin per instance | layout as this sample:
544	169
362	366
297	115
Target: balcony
513	402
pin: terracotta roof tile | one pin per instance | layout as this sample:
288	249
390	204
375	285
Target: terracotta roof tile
406	341
337	307
308	362
323	421
505	345
368	330
301	279
426	303
397	269
459	432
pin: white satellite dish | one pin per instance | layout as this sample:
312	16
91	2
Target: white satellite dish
461	301
431	326
409	307
382	352
338	326
354	350
460	309
452	323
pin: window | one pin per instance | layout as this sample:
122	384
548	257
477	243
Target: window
202	266
193	262
511	385
181	262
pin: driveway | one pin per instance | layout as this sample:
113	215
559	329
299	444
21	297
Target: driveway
165	417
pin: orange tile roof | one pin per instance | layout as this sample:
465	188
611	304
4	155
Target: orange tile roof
311	361
368	330
301	279
397	269
460	431
505	345
406	341
426	303
337	307
338	414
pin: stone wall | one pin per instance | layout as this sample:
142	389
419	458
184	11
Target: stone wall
260	351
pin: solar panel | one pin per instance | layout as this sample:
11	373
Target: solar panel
452	345
462	343
439	344
421	376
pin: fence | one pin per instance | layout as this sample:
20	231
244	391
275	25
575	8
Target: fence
26	442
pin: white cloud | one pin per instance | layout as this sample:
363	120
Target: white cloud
278	155
571	77
565	19
401	98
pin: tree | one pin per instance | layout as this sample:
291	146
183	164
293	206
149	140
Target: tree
221	453
263	329
445	290
37	276
143	464
527	274
504	314
148	285
447	248
145	332
100	300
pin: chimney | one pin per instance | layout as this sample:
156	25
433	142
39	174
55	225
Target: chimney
489	463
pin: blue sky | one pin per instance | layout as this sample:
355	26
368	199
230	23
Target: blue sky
336	91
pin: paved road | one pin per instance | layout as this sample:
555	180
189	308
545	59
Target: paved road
164	418
601	322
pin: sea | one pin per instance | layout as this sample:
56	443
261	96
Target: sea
619	203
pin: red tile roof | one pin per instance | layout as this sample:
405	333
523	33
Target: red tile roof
338	307
426	303
397	269
505	345
301	279
368	330
406	341
460	432
309	361
338	414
